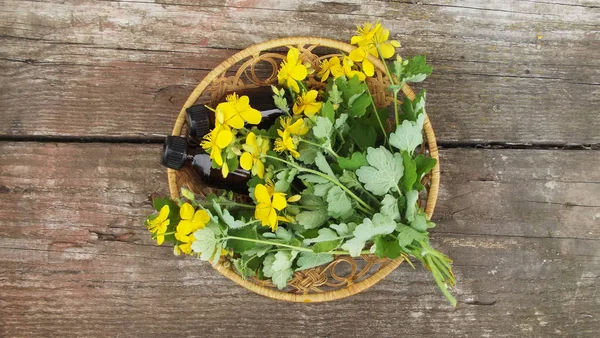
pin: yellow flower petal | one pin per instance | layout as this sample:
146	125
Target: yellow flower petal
387	50
225	170
299	72
279	201
293	55
163	214
272	219
262	194
215	154
294	198
202	217
251	115
259	169
186	211
224	138
368	67
246	161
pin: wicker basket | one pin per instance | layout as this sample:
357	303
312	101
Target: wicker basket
345	275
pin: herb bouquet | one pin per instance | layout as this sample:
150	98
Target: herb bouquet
334	179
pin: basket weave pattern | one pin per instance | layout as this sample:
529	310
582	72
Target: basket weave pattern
257	66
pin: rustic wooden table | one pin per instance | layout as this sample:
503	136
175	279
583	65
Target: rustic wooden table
88	89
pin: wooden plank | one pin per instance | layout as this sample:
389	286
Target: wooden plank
75	257
504	71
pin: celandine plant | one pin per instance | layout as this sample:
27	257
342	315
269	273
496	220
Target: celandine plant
328	178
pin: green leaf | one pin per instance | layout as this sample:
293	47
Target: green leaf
344	229
380	225
424	165
328	111
364	137
284	234
339	204
411	204
309	260
187	194
241	246
312	219
284	179
325	234
416	69
280	278
410	172
323	127
357	160
312	178
340	121
205	243
419	222
406	235
268	265
321	190
326	246
321	163
259	250
357	105
384	172
159	202
407	137
387	248
389	207
326	241
307	153
231	222
283	260
349	179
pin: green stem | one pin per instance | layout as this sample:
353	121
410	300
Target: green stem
298	248
363	206
385	137
293	247
320	146
387	71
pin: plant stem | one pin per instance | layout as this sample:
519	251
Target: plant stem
385	137
320	146
299	248
363	206
387	71
293	247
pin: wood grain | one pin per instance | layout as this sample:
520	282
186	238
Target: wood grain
76	260
505	71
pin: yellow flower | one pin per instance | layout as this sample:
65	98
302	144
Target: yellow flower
331	66
307	104
360	55
235	111
251	159
158	226
292	70
286	141
349	72
269	203
297	128
371	37
190	222
214	142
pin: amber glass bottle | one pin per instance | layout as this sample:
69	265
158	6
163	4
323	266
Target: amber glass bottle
179	152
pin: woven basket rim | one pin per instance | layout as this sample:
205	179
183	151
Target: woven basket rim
225	269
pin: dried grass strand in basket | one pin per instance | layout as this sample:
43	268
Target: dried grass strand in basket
345	275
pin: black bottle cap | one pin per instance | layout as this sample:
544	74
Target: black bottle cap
174	152
198	121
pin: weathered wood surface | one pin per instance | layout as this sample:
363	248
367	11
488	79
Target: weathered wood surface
76	260
505	71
